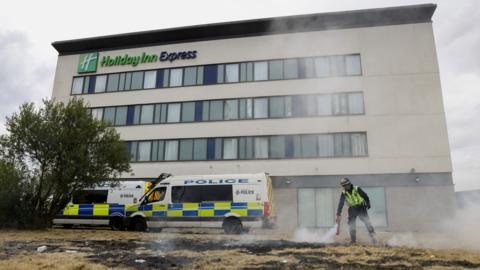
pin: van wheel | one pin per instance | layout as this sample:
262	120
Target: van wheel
139	225
232	225
116	224
67	226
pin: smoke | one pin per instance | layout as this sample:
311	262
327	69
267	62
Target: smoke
315	235
458	232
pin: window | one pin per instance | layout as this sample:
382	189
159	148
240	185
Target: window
200	149
246	72
121	85
157	195
231	73
147	114
206	110
220	73
288	106
324	104
261	147
90	196
309	146
355	103
77	86
190	77
340	104
121	116
246	108
171	150
277	146
260	71
197	194
316	207
245	146
216	110
306	207
377	212
166	78
112	84
86	85
322	66
309	68
325	145
359	144
290	69
173	113
137	80
186	149
128	81
230	147
353	64
144	151
275	69
100	83
150	79
136	114
231	109
176	75
133	150
188	111
260	108
97	113
109	115
277	107
338	65
342	144
210	74
158	149
200	75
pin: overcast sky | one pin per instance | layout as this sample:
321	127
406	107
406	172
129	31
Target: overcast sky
27	61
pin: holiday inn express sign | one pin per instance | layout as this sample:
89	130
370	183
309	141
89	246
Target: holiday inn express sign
88	62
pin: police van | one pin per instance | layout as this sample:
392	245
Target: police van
234	202
102	205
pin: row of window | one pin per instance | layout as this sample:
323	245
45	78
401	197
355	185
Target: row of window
282	69
317	207
233	109
258	147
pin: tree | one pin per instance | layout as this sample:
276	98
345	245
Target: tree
57	150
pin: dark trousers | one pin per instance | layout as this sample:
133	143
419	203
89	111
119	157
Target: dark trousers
360	212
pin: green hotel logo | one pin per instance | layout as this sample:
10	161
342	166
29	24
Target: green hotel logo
88	63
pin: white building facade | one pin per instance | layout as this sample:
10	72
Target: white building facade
308	99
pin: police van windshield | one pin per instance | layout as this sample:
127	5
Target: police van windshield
196	194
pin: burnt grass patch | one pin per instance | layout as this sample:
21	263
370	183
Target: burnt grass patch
159	254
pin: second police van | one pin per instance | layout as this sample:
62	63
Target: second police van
234	202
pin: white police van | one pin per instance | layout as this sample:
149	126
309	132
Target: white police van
102	205
234	202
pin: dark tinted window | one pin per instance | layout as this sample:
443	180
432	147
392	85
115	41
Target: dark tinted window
90	196
196	194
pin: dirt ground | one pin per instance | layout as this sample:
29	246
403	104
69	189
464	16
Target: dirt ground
104	249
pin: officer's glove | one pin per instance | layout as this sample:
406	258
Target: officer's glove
368	206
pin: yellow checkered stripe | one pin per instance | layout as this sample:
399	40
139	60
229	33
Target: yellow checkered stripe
207	209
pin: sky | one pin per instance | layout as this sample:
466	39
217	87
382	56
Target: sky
28	61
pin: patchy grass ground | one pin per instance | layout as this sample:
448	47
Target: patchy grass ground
105	249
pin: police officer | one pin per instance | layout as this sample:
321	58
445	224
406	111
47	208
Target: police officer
358	203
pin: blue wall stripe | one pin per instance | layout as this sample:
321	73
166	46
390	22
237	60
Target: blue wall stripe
210	149
159	82
210	74
198	111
